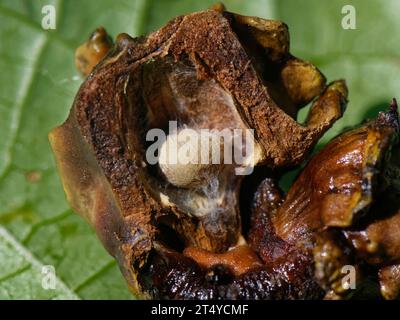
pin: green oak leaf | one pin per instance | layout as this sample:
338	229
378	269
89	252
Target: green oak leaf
22	276
38	82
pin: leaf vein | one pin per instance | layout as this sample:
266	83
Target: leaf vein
22	97
7	237
95	275
15	273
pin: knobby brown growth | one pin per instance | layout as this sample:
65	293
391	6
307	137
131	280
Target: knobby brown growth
218	70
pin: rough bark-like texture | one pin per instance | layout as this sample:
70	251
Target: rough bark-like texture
214	70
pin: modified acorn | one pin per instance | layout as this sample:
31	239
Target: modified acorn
220	234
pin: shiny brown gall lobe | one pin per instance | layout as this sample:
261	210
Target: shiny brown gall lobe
218	70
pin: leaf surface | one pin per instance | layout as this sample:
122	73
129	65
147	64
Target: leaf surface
38	82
